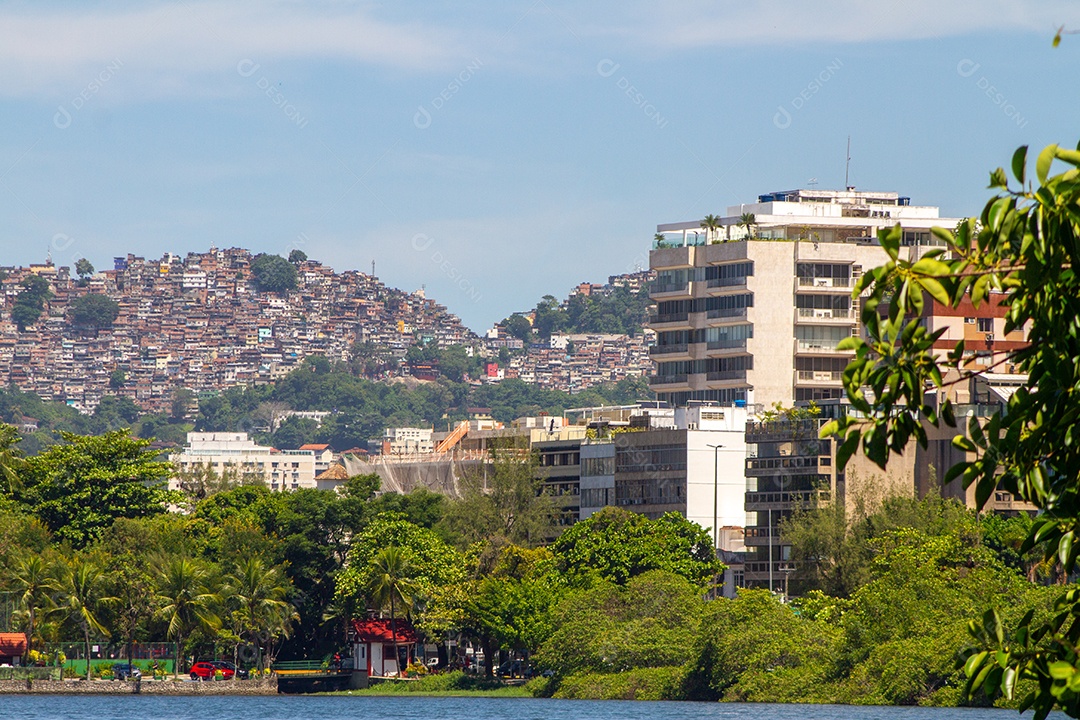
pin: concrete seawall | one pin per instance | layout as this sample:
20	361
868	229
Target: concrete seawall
145	687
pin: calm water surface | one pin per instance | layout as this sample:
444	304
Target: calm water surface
128	707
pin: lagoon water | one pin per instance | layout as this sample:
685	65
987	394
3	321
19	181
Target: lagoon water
134	707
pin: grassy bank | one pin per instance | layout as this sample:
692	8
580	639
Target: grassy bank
454	684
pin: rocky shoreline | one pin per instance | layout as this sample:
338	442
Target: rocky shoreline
144	687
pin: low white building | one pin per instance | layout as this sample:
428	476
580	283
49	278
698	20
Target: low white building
407	441
234	453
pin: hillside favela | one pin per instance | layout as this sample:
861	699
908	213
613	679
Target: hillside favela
615	420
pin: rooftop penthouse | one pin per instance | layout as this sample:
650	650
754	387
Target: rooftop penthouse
815	215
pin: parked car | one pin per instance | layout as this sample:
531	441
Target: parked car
226	666
124	671
207	671
513	669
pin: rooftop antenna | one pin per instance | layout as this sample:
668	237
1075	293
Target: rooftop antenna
847	164
812	182
372	267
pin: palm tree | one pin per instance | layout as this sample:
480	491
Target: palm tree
660	240
391	584
258	593
748	221
33	581
186	601
11	459
81	596
711	224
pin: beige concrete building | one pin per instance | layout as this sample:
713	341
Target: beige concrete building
753	312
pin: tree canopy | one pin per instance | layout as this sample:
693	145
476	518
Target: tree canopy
1020	254
94	310
273	273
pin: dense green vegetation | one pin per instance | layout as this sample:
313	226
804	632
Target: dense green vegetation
1021	254
273	274
617	606
363	407
620	311
94	311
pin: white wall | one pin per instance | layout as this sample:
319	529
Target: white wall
730	486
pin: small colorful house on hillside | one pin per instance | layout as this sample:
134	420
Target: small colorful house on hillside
12	648
373	646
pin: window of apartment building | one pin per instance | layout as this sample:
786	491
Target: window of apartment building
820	336
986	325
819	301
730	336
730	274
650	458
831	273
597	466
597	497
804	394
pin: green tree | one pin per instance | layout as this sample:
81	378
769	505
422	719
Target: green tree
258	593
1019	254
756	649
79	487
550	317
297	256
652	621
518	326
82	594
185	601
30	302
83	269
617	545
117	379
33	582
503	500
273	274
12	462
748	221
711	224
391	584
94	311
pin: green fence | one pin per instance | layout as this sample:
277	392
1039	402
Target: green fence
29	673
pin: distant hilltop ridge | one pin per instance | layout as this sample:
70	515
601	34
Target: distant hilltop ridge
202	321
226	317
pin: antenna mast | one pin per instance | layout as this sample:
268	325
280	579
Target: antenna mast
847	164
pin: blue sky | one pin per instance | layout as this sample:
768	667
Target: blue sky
497	151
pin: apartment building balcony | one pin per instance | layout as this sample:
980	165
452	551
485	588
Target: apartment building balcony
668	321
814	347
725	317
671	352
1007	503
667	380
819	377
718	286
761	536
825	284
785	499
721	348
726	375
671	291
827	316
784	465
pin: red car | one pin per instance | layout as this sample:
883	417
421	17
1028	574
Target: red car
205	671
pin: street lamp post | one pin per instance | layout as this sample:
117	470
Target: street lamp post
715	496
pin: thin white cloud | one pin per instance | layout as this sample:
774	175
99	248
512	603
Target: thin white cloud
680	24
173	47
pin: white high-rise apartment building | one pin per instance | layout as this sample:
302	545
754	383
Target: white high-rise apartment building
752	310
